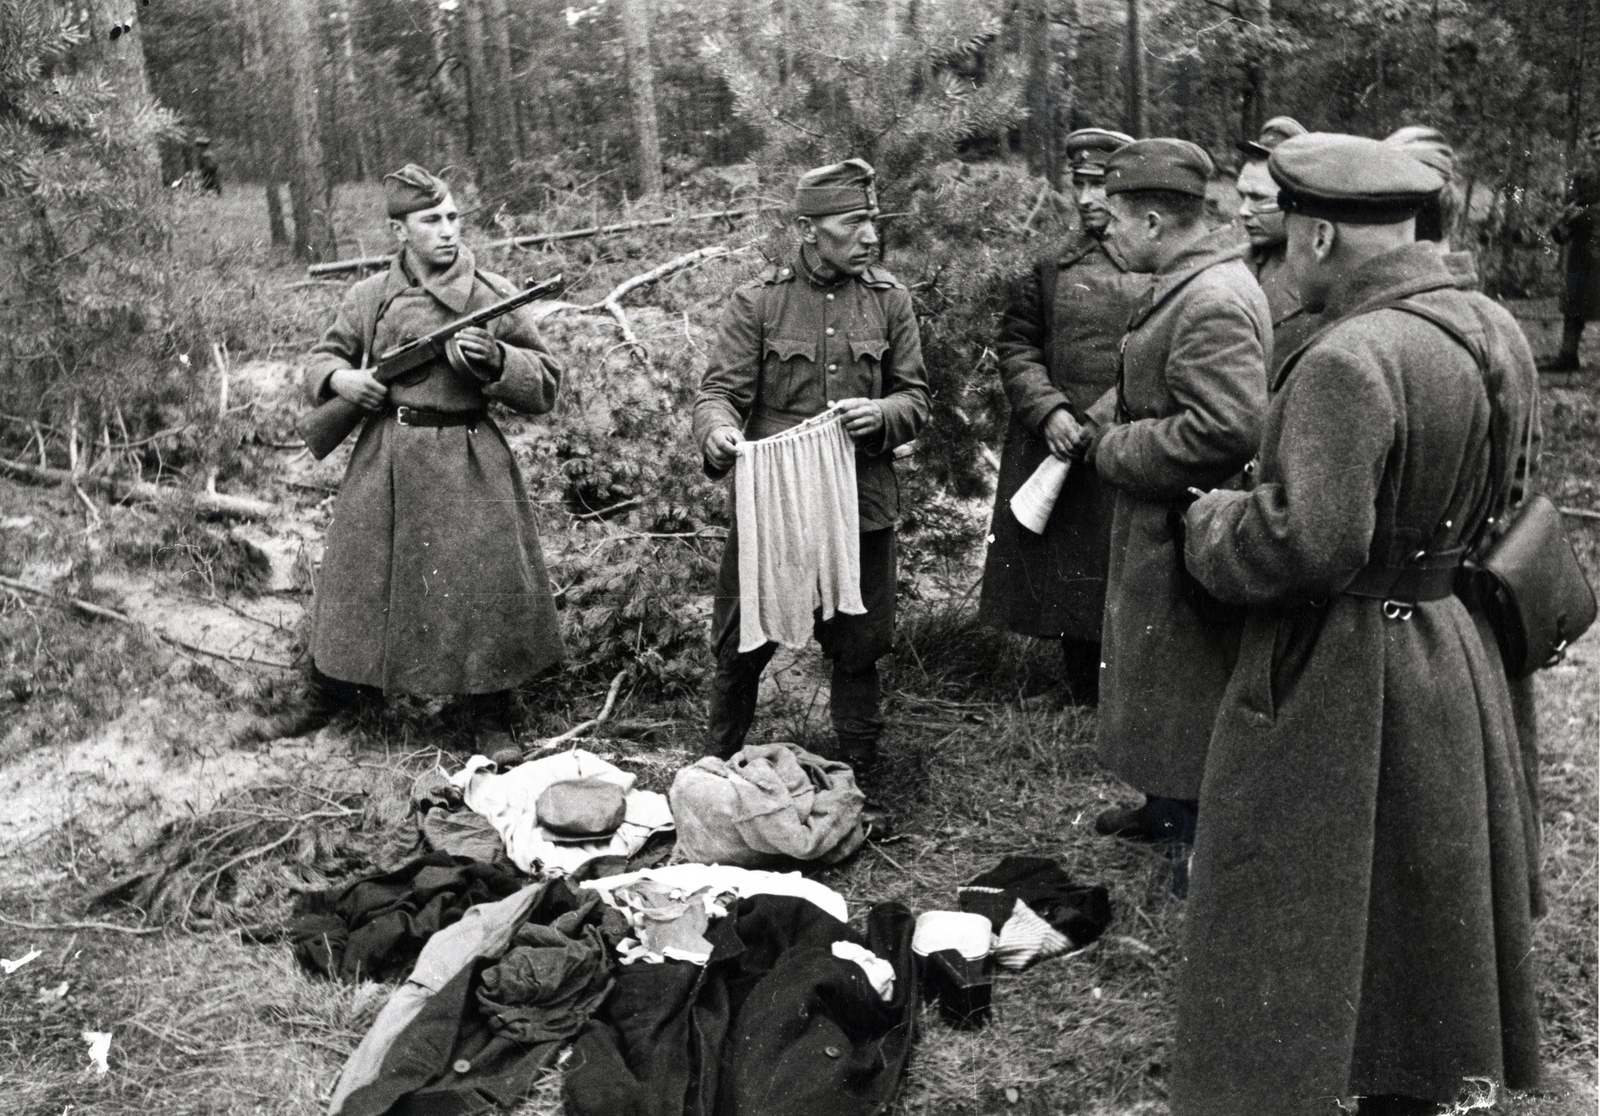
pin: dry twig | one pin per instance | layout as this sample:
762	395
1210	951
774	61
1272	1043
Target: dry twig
579	730
58	927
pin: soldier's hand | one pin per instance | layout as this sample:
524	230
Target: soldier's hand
863	418
722	446
358	386
1062	433
482	351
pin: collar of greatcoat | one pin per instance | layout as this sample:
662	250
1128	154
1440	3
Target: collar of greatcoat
453	288
1217	246
1411	270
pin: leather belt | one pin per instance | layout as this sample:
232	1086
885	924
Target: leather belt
411	416
1427	577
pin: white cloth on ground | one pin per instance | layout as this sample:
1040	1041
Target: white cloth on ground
508	801
799	531
880	974
723	879
1026	938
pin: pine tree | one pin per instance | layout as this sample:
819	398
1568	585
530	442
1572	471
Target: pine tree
900	86
78	208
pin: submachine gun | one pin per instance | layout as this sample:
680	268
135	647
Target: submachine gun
330	423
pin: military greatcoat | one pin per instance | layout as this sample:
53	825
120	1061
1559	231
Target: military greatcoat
432	577
1060	355
1193	389
1579	235
1292	323
1359	913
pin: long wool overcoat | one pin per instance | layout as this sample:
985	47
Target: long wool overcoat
1062	355
1194	387
433	581
1292	323
1359	912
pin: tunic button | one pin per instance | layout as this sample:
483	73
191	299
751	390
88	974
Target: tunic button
833	368
461	1065
829	331
829	297
831	1051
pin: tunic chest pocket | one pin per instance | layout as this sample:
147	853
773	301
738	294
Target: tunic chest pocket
788	368
870	347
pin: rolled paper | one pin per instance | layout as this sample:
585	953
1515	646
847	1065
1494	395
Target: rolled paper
1036	499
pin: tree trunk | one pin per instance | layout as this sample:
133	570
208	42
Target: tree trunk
1043	131
1257	73
1135	88
357	116
1073	114
642	92
498	43
275	221
455	135
118	61
296	62
487	103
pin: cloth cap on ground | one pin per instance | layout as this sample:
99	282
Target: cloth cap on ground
1427	146
581	807
411	188
1159	164
1089	148
836	188
1350	178
1273	132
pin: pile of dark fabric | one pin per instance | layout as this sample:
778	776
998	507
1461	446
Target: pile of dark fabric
374	928
1036	909
774	1024
482	1039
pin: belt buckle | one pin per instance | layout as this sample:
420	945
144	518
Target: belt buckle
402	414
1397	610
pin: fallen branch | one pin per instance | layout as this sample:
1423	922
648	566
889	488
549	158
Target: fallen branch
143	492
1580	513
579	730
622	226
88	608
58	927
611	303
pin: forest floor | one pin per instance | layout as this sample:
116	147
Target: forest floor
983	760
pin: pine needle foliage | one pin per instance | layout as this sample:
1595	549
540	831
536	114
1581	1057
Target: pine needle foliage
81	218
900	87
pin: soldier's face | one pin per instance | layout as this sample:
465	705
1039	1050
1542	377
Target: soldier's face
433	235
1258	205
847	241
1133	235
1090	192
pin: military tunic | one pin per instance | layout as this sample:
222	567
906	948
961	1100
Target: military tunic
432	580
1064	355
1579	236
1194	387
1359	914
789	345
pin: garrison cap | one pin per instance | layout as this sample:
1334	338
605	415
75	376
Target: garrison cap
1273	132
1350	178
837	188
1089	148
1160	164
1427	146
411	188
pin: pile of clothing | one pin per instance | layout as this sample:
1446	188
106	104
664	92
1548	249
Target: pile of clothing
789	1010
710	987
